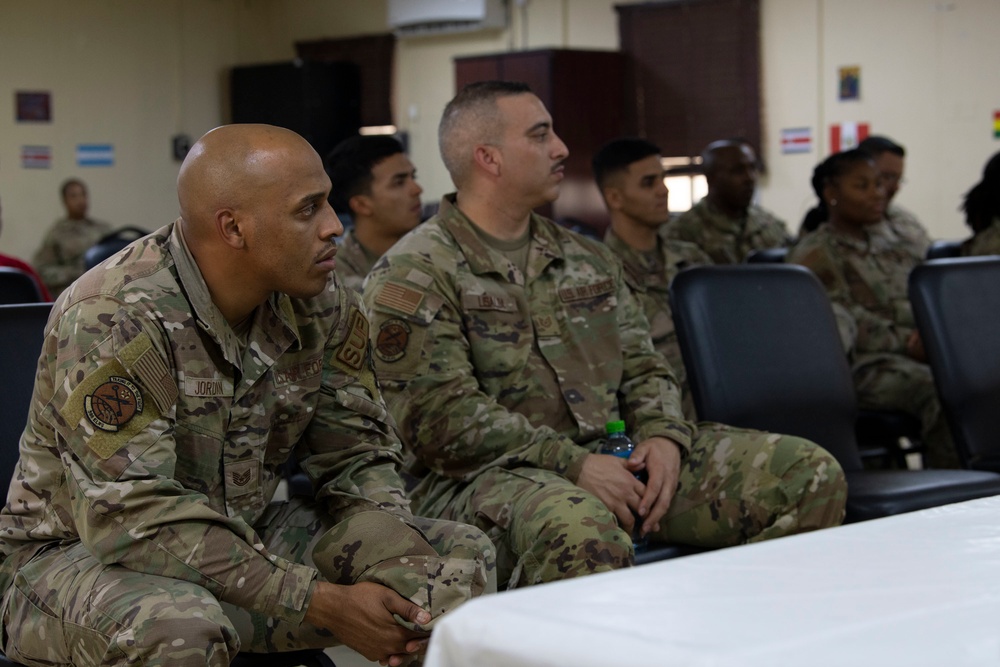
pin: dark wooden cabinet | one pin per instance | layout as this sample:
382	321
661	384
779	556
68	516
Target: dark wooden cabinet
584	92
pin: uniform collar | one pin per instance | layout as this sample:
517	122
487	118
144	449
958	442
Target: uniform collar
545	246
274	329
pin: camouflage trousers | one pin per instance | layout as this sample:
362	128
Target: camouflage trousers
895	382
66	608
736	486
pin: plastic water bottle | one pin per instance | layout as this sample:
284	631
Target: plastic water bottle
620	445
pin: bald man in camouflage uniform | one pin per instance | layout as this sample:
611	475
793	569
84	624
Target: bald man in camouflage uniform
630	175
726	224
504	344
173	385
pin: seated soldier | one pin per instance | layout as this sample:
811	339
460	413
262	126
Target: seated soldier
865	269
505	343
630	176
172	388
982	212
726	224
375	183
60	258
890	159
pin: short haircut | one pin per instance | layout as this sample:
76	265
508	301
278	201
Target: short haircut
70	182
616	156
875	145
350	165
472	118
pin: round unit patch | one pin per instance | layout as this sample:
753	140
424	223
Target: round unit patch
113	404
393	336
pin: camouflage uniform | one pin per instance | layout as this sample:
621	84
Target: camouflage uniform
986	242
153	446
727	240
353	262
501	383
60	259
909	230
868	278
650	281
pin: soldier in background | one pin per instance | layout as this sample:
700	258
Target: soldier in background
60	258
504	343
982	212
865	269
173	385
630	175
726	224
890	159
376	184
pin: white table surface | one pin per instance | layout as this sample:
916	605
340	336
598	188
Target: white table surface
914	589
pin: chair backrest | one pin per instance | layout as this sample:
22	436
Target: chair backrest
16	286
944	249
22	329
767	256
111	243
956	303
762	351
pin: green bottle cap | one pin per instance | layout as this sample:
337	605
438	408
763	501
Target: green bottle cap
615	427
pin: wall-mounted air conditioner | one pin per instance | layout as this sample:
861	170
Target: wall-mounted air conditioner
417	18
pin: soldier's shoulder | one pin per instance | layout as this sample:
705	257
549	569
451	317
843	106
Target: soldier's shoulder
686	251
140	273
816	242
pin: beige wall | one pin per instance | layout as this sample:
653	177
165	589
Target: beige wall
136	72
928	80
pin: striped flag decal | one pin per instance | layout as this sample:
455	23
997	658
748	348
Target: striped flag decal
95	155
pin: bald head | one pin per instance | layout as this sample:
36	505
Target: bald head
730	168
233	166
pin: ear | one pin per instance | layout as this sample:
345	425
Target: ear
613	197
829	191
361	205
489	159
230	228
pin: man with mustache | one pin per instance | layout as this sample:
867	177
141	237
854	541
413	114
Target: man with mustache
176	379
726	224
505	343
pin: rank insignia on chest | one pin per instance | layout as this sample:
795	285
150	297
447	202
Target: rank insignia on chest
113	404
393	336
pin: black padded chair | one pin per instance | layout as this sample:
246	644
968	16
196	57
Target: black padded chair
16	286
944	249
767	256
111	243
762	351
22	328
956	303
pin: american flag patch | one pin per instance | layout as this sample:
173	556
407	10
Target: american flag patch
400	297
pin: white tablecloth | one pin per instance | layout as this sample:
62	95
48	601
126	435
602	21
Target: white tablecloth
914	589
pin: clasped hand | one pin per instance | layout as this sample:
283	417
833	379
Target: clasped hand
612	479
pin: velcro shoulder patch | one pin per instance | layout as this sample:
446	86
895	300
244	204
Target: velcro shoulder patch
400	297
110	407
353	350
142	361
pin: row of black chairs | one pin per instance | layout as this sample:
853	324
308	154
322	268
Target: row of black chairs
761	347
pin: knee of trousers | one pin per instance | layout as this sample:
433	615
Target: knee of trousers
188	636
565	532
814	482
